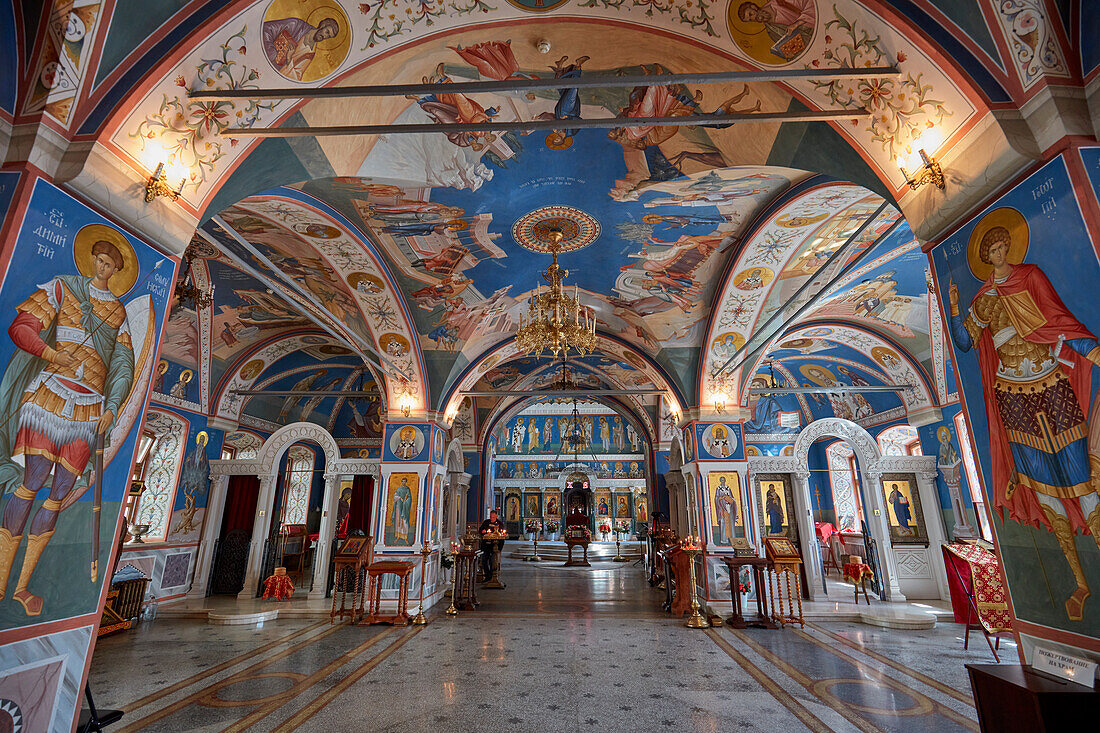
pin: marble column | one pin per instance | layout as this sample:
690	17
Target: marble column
952	476
804	515
929	497
875	516
458	483
330	504
260	529
211	527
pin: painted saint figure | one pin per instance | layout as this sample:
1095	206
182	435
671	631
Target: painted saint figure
401	513
69	377
901	507
291	43
789	23
726	507
406	446
1036	362
718	443
773	507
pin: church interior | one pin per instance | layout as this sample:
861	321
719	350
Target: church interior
549	365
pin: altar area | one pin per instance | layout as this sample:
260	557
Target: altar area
551	551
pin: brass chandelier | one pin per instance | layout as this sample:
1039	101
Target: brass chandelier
555	322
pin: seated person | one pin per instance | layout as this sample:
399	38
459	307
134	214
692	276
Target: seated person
495	526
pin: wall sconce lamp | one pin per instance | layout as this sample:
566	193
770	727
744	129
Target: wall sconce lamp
930	172
157	185
720	393
719	399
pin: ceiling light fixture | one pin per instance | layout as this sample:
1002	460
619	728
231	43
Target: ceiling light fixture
188	293
555	322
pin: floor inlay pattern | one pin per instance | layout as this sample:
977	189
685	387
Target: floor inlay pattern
554	651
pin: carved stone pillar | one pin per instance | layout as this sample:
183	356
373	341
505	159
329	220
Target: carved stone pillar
952	476
329	506
674	481
211	526
458	483
804	515
880	530
260	529
930	499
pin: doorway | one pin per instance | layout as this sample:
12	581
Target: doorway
231	552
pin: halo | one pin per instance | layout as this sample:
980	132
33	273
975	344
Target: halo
202	438
162	367
943	431
121	282
1015	223
556	142
457	224
252	369
809	371
747	29
327	10
185	375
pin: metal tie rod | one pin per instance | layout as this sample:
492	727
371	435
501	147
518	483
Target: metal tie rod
839	389
603	123
304	393
589	81
566	393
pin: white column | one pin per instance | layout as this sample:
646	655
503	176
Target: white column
930	502
952	476
211	527
804	512
329	505
880	530
260	528
458	483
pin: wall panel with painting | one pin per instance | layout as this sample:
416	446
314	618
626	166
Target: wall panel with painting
1018	284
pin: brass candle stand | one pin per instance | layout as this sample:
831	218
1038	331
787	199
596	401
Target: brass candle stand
695	620
535	557
451	610
425	551
618	550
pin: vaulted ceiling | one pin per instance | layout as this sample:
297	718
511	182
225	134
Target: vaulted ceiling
404	260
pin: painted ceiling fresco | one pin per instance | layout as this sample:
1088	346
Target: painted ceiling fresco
417	252
387	40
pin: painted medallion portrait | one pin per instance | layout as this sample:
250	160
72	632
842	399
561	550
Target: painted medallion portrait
407	442
305	40
773	32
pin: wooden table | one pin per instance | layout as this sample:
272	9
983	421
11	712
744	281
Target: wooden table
465	588
759	565
572	542
403	570
1010	698
857	573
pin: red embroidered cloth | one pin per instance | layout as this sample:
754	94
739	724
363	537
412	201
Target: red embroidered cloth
278	587
854	572
975	571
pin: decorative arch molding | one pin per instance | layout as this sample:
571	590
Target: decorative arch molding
634	413
267	458
866	448
453	459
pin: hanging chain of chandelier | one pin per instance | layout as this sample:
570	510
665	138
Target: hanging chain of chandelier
556	322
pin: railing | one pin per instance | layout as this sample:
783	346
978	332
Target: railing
871	547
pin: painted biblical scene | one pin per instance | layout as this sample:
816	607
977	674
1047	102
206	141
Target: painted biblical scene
776	508
904	514
1015	285
77	365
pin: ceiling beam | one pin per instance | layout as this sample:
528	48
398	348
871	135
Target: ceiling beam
590	81
564	392
839	389
602	123
306	393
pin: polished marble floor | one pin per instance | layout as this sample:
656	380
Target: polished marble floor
557	650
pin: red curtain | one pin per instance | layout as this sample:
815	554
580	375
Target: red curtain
362	495
240	503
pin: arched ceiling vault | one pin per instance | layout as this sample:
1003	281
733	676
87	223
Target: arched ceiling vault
415	254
